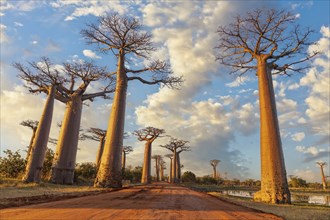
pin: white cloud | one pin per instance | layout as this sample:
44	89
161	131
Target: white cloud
238	81
90	54
299	136
313	153
3	36
293	86
34	42
18	24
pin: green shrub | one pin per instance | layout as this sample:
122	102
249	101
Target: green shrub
12	165
188	177
85	172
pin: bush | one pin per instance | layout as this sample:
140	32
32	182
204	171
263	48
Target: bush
207	180
12	165
86	171
134	175
297	182
47	166
188	177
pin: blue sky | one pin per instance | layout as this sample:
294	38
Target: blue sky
217	112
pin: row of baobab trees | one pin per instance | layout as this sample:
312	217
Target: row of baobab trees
264	42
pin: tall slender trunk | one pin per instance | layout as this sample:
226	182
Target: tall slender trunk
161	175
324	183
123	159
99	153
146	171
214	172
157	169
274	186
39	146
109	173
31	143
174	176
66	150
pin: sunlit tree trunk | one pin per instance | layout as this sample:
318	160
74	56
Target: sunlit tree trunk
324	183
178	167
110	173
67	145
99	153
161	173
39	146
146	171
157	168
214	172
274	186
170	173
174	175
123	159
31	143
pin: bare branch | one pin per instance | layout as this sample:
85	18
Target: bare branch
148	134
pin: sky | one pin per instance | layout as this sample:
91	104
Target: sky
216	112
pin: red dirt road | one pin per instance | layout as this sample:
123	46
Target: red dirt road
156	201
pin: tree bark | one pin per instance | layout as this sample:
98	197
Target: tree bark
178	167
324	183
214	172
174	176
39	147
146	171
31	143
67	145
157	169
170	173
161	175
99	153
274	186
123	159
110	173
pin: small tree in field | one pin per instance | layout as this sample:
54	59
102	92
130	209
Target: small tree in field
33	125
124	37
214	164
170	156
149	135
265	42
12	165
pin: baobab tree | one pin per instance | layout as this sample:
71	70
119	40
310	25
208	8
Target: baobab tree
162	167
175	146
82	74
95	134
124	37
322	165
170	156
149	135
126	150
214	164
40	77
265	42
179	166
33	125
157	159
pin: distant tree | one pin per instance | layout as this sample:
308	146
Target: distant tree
265	41
33	125
214	164
188	177
176	146
95	134
170	156
322	165
126	150
157	159
149	135
41	77
124	37
12	165
85	170
162	167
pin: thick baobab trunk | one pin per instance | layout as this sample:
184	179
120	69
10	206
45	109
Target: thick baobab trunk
274	186
67	145
174	176
123	160
178	167
214	172
39	146
146	171
99	153
170	173
110	173
157	169
31	143
324	183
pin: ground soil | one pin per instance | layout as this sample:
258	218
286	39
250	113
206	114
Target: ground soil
155	201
